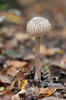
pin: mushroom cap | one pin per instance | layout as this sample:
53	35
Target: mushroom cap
38	26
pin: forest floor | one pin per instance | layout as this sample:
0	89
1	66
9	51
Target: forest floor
17	59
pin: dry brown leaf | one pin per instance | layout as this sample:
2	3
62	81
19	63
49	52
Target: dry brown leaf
12	67
11	71
42	49
21	36
45	92
4	79
59	64
16	96
16	63
29	57
45	51
50	51
9	88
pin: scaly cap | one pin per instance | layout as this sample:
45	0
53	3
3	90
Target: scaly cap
38	26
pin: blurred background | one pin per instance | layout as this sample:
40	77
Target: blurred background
14	14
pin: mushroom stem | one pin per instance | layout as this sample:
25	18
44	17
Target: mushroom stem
37	60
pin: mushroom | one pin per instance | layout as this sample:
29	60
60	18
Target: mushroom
38	27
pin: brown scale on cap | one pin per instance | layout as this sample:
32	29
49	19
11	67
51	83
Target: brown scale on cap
37	27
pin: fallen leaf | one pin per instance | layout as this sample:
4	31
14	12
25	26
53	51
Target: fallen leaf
16	96
50	51
9	88
58	64
22	85
47	51
61	52
29	57
21	36
13	18
15	11
4	79
16	63
13	66
11	71
42	49
44	92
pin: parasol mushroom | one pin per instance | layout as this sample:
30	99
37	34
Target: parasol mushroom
38	27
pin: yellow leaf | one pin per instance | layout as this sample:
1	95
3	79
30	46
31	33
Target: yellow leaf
60	52
13	18
44	92
24	84
19	84
50	91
